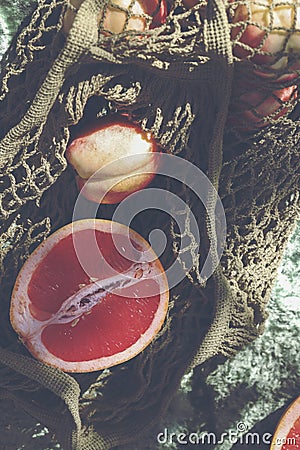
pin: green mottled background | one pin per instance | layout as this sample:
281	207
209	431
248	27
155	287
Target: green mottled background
251	389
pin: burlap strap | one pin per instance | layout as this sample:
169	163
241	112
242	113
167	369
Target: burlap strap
59	383
217	39
82	35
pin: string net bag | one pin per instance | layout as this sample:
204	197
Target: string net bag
184	82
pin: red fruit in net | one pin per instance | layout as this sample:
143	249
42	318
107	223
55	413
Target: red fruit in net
262	32
124	15
91	296
257	108
266	31
287	434
132	151
115	20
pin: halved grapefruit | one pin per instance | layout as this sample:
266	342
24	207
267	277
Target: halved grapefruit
92	295
287	434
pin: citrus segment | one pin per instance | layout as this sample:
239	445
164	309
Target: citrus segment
93	295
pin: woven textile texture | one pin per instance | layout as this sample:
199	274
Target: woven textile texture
177	83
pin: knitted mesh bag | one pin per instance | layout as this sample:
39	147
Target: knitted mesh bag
175	81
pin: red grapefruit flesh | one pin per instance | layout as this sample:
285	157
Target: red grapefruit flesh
287	434
91	296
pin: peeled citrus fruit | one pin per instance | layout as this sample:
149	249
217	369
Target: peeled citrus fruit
92	295
287	434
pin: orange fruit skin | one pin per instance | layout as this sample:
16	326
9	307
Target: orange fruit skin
289	418
23	322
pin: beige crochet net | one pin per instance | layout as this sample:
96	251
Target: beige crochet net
176	82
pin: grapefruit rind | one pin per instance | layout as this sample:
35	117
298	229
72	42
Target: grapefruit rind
25	324
285	424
